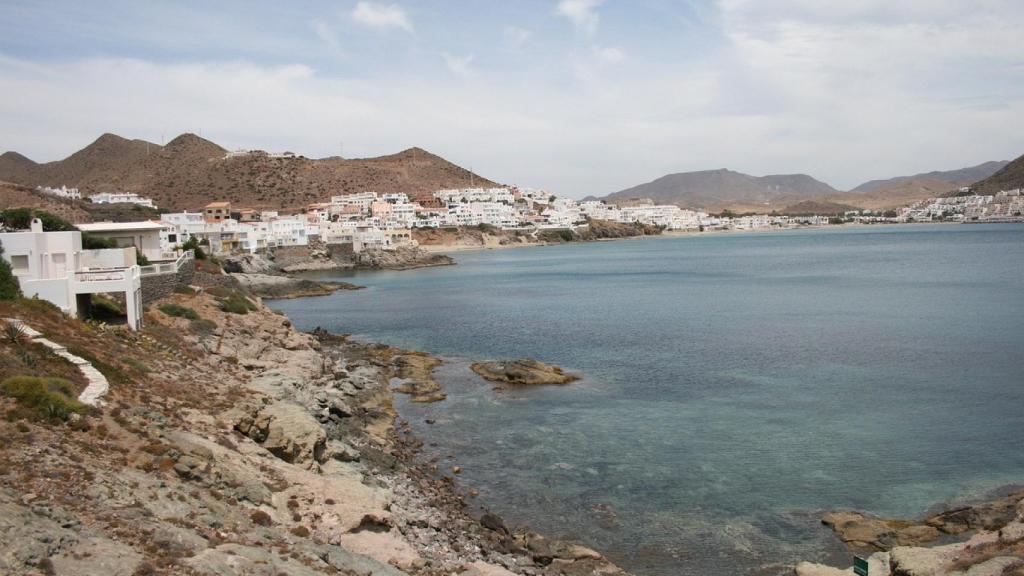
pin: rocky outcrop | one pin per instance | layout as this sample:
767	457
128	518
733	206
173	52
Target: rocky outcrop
866	533
523	372
400	259
324	257
417	374
279	287
288	431
995	547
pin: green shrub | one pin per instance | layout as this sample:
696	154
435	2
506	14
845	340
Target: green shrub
138	365
48	398
179	311
9	287
232	300
90	242
237	304
21	219
203	327
104	305
193	244
183	289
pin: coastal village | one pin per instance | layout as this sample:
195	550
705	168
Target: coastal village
372	223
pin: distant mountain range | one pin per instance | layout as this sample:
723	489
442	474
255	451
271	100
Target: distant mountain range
189	172
717	190
961	177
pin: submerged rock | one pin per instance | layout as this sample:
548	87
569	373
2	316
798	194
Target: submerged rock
523	372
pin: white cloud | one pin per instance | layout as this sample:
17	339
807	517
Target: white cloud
515	38
610	54
582	13
458	65
784	86
382	17
324	32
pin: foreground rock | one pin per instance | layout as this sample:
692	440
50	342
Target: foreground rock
867	533
523	372
995	546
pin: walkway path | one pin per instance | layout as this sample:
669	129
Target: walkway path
98	385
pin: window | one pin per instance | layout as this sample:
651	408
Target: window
19	263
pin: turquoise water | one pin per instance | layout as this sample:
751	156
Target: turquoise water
735	385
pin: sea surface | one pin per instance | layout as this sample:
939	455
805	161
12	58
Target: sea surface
735	385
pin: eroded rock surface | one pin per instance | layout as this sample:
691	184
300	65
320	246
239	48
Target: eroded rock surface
523	372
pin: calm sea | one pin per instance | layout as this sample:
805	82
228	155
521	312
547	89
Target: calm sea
735	385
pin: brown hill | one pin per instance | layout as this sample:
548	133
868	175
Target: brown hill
189	171
894	195
17	196
817	208
1010	177
715	190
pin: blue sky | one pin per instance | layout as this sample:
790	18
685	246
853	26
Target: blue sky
579	96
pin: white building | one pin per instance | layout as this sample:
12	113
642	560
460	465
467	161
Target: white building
151	239
121	198
62	192
54	267
362	200
467	195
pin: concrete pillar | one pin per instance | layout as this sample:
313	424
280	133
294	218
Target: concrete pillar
132	305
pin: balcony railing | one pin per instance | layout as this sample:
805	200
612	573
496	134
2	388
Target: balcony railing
168	267
102	275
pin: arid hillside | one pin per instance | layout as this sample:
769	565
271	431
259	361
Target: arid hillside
189	171
1009	178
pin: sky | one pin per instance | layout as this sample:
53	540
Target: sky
578	96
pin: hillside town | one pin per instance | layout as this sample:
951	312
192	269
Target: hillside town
1004	206
368	221
372	221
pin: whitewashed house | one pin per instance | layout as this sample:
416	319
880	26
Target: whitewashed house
62	192
121	198
151	239
53	266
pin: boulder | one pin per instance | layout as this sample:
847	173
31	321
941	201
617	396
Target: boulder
912	561
860	531
288	431
523	372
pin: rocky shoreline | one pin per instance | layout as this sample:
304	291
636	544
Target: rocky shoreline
230	443
317	257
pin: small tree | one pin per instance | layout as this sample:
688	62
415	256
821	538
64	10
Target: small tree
21	219
193	244
9	287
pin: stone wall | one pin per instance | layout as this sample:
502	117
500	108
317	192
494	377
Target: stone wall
158	286
207	280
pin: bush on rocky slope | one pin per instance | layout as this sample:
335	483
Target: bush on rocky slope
43	398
